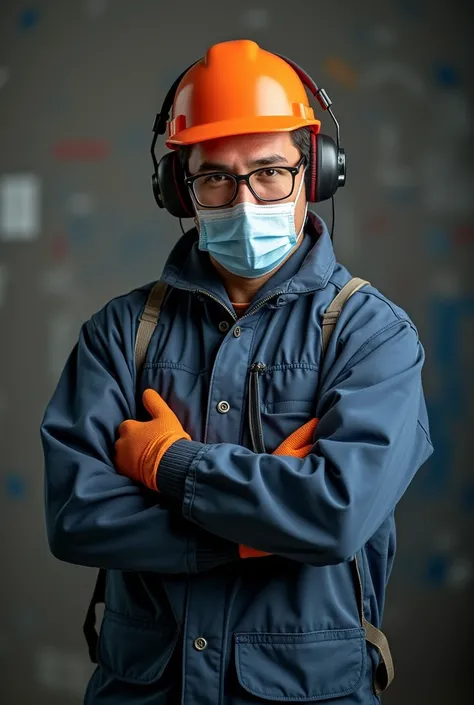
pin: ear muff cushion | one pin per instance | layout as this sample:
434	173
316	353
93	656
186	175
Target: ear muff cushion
175	195
312	170
326	168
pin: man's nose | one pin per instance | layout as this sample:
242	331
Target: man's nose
244	194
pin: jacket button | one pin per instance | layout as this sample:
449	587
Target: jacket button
224	326
200	643
223	407
237	331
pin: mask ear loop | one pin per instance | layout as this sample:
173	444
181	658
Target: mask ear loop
296	201
300	187
303	223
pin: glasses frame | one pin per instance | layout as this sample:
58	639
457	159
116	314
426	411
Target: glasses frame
238	178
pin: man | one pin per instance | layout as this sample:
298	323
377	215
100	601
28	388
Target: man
240	489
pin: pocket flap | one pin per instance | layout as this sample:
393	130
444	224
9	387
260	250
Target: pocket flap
301	667
133	650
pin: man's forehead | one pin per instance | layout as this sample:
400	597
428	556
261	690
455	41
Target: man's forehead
246	149
262	141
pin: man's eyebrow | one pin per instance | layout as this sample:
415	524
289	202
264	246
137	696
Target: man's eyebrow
253	164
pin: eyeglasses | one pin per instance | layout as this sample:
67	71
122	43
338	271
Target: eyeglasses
218	189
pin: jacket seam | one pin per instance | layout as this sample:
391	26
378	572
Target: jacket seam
292	366
324	281
375	294
163	364
188	505
268	404
384	329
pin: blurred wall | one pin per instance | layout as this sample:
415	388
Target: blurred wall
80	83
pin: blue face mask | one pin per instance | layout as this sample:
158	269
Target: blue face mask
249	239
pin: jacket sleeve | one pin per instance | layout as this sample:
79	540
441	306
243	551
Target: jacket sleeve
371	439
94	516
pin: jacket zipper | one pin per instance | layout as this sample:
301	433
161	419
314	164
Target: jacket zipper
255	418
260	304
232	313
214	298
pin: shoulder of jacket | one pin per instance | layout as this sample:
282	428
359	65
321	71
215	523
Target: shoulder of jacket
122	310
367	299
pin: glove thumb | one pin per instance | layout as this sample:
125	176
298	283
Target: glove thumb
153	403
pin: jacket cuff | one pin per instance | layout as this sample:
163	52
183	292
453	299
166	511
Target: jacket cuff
174	468
217	552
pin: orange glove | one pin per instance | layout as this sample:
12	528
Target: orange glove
142	444
298	444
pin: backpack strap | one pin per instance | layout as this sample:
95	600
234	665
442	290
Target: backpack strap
148	320
335	307
385	672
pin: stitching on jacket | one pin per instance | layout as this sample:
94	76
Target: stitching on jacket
292	366
267	638
378	296
325	279
168	365
192	472
389	326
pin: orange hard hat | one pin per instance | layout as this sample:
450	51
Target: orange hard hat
238	88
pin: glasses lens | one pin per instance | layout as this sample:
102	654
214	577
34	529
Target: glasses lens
272	184
214	190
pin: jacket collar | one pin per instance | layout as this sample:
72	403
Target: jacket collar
189	268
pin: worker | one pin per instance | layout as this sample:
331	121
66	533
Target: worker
234	472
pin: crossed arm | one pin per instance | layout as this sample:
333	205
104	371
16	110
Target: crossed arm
320	509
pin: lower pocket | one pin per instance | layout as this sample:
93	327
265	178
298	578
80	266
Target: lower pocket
301	667
138	660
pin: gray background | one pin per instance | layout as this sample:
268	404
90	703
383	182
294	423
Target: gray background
399	73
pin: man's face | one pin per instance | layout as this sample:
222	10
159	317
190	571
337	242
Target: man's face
242	154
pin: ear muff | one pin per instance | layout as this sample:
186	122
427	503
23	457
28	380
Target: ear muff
326	170
169	187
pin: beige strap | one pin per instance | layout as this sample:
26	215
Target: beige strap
385	671
147	325
335	307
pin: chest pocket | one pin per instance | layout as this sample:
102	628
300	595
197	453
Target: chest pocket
281	399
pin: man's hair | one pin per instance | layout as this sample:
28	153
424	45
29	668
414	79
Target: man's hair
301	139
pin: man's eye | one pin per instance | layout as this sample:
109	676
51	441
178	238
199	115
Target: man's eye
216	178
271	173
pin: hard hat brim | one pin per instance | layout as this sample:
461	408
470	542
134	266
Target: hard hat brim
243	126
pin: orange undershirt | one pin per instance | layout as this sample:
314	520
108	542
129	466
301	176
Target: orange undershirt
240	309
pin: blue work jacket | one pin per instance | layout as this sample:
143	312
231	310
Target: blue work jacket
186	619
